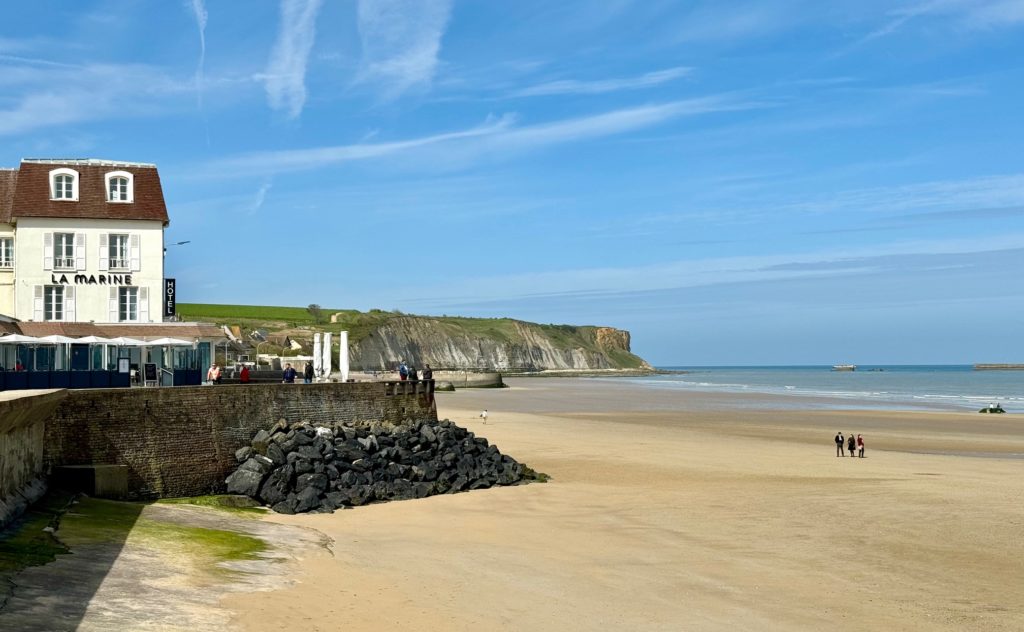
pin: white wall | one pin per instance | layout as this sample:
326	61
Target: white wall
7	278
91	301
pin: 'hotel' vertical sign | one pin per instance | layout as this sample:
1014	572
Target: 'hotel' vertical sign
169	298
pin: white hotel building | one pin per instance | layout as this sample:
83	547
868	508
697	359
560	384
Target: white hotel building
82	252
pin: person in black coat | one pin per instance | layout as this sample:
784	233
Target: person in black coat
307	373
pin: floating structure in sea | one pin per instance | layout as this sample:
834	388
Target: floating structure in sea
844	367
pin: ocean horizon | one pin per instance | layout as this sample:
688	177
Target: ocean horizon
951	387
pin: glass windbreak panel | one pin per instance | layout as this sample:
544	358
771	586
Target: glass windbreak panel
80	357
203	355
96	360
24	359
44	359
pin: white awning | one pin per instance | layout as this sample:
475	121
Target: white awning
94	340
19	339
174	342
57	339
128	342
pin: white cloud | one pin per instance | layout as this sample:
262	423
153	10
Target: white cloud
260	198
494	136
199	10
285	77
401	40
573	86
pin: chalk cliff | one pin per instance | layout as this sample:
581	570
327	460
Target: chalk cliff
500	343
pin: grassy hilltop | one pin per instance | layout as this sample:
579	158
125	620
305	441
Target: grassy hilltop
298	322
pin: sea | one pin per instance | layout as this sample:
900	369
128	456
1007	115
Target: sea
891	387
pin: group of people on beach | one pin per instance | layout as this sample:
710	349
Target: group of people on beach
853	444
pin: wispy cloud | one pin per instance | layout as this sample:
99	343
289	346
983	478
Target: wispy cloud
574	86
260	197
199	10
495	135
401	40
285	77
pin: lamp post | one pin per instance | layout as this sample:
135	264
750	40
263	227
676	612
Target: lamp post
258	353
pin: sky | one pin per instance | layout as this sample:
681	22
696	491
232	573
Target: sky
735	183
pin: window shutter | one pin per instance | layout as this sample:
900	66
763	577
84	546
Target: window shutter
143	304
37	302
79	251
133	250
47	251
104	252
69	303
113	304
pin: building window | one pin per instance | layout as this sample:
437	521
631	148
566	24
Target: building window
128	304
64	184
63	251
117	250
53	302
6	252
120	185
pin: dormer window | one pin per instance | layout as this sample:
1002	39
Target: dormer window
120	186
64	185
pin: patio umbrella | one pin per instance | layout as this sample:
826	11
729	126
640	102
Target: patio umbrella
94	340
19	339
174	342
121	341
57	339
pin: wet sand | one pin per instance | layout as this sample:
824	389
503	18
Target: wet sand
671	511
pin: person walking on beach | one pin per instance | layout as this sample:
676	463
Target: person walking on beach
839	444
851	444
289	374
307	373
860	446
483	415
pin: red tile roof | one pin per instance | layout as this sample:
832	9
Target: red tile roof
8	181
185	331
31	196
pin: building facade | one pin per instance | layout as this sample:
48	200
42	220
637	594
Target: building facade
82	241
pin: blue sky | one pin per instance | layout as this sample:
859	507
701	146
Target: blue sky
734	182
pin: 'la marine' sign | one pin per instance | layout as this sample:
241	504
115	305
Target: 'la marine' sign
92	279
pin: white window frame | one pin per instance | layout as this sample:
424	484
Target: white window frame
129	193
7	253
62	260
141	304
125	298
122	262
64	171
51	295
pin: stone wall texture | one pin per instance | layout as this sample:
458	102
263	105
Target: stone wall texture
22	419
181	441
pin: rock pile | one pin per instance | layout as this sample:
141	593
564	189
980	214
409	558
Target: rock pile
296	468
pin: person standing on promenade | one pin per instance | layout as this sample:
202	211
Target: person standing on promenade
289	374
839	444
483	415
428	373
243	375
403	371
412	374
307	373
213	374
860	446
851	444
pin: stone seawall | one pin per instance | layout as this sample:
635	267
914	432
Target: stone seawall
182	441
22	418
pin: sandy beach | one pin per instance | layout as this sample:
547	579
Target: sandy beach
671	511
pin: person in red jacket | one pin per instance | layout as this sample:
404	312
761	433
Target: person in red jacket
243	376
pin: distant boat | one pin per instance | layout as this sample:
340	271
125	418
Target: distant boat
844	367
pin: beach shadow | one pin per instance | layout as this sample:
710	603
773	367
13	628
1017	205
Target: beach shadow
50	578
